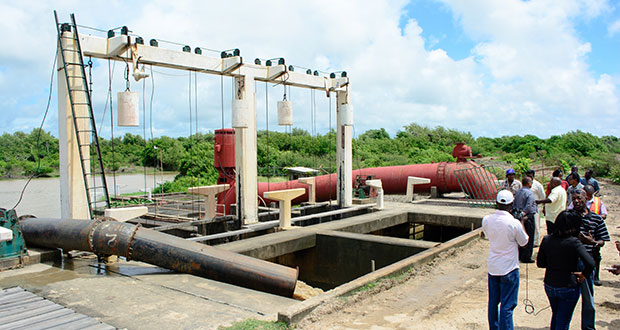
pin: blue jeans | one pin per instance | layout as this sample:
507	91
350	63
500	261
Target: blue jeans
503	290
562	302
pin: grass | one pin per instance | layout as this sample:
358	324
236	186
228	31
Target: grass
273	179
252	324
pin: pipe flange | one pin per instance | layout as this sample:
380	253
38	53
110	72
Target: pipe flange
129	245
91	232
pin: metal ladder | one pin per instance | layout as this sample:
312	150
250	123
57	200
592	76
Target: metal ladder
82	94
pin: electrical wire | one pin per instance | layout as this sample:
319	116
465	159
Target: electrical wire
47	108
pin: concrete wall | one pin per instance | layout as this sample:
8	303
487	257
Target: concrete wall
339	257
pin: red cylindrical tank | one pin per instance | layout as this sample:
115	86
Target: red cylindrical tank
224	148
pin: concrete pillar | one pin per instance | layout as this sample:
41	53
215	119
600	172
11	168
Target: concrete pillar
377	185
245	155
73	202
411	181
210	193
311	188
285	197
344	153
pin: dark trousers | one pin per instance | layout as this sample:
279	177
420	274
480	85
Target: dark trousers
550	226
596	254
525	252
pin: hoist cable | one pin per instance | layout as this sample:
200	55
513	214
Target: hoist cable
47	108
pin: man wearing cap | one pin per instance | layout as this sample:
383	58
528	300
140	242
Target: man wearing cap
505	234
511	184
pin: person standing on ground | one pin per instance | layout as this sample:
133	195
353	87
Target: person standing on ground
595	204
573	169
574	185
539	194
511	184
593	235
525	205
505	234
557	174
556	201
589	180
560	254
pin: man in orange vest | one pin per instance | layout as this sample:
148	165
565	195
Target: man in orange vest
595	204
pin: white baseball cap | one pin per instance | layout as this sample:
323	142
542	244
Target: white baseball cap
505	197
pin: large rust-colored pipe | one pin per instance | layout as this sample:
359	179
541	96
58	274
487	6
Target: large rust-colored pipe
142	244
394	181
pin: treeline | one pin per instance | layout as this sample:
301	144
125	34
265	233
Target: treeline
192	156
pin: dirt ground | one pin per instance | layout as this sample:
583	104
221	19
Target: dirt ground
451	293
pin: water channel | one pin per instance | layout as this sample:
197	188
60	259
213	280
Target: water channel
42	196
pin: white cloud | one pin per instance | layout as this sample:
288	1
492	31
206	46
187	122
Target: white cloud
528	73
613	28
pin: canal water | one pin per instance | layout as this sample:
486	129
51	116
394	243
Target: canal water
42	196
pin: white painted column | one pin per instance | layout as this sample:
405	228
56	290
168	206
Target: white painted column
344	152
73	202
245	154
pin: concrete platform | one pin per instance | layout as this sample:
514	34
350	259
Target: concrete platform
135	295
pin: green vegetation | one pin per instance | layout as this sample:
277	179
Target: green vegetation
193	157
252	324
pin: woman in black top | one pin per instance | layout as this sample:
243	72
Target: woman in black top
560	254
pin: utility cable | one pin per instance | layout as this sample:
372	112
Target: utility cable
47	108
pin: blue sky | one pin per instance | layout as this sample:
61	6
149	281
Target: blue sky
489	67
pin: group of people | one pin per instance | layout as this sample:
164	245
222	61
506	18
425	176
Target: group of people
570	252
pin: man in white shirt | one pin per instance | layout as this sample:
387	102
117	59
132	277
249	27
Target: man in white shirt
505	234
556	201
539	193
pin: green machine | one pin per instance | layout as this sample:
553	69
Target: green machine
12	243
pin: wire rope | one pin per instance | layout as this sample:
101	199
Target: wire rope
329	97
112	124
269	167
47	108
222	97
144	132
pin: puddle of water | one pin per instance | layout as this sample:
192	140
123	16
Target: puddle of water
68	269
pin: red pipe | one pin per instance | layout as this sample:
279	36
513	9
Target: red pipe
393	179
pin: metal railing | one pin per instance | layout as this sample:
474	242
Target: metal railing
479	184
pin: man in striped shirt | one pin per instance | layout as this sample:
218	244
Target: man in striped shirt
593	235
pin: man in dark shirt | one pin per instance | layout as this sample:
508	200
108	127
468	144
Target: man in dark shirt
589	180
593	234
525	202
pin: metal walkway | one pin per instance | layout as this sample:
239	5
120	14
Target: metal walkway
20	309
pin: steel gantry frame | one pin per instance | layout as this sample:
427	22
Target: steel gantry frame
127	48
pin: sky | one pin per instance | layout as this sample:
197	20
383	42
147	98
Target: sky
492	68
